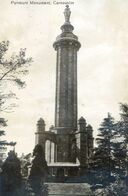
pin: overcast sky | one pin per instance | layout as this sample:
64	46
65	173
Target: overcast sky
102	28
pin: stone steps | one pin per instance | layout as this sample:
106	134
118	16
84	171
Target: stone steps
69	189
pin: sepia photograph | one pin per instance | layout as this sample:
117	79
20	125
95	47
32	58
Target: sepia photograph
63	98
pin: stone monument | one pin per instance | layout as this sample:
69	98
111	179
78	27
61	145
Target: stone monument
70	143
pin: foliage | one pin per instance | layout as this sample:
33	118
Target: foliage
11	71
103	153
123	123
110	159
11	173
25	162
39	169
123	132
119	154
117	188
4	143
106	154
12	68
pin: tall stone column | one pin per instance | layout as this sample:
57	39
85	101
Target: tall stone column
66	45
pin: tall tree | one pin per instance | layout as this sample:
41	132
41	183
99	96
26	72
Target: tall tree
123	131
39	170
12	70
103	159
11	178
104	140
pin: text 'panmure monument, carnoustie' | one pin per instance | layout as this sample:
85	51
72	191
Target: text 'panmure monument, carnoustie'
69	143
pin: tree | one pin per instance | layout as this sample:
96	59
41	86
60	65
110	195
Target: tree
103	155
11	71
119	155
11	175
110	159
12	68
2	133
123	132
39	170
3	143
124	122
104	141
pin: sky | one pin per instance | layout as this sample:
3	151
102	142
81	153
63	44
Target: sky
102	29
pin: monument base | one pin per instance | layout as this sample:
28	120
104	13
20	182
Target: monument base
65	172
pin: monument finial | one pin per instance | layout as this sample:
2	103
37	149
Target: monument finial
67	14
